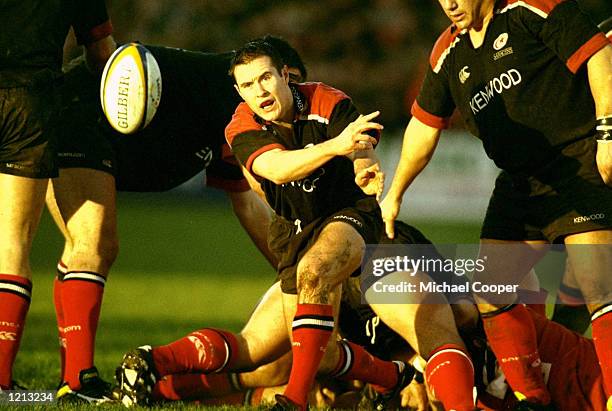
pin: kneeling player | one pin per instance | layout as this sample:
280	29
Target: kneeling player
160	373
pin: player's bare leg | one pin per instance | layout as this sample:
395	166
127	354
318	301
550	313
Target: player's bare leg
311	318
508	326
427	323
570	308
21	204
83	204
592	252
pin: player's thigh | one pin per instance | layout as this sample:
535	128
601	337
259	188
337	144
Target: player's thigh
424	325
335	254
592	253
21	204
508	260
86	200
265	334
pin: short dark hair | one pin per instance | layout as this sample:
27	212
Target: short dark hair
289	55
606	25
255	49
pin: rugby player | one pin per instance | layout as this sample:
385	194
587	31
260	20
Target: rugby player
327	117
533	81
95	161
570	308
31	44
175	371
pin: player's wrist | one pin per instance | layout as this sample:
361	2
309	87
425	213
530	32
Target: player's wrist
603	129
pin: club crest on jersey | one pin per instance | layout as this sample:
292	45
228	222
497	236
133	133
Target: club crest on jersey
500	41
464	74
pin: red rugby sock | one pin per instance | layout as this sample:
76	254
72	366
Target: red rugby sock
536	300
59	315
512	337
207	350
179	387
602	338
450	377
15	295
357	364
313	325
81	304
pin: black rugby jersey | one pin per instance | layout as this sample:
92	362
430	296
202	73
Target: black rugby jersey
322	113
524	92
33	31
186	135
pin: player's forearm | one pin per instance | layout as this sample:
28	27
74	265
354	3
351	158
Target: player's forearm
600	80
284	166
255	217
420	142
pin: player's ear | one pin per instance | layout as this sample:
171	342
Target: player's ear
238	90
285	73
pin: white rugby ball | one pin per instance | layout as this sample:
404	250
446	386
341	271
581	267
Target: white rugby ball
130	89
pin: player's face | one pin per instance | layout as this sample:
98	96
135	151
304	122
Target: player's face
265	90
467	14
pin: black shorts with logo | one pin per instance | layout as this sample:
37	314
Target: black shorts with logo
360	325
27	115
290	246
567	196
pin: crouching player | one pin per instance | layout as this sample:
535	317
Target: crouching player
183	370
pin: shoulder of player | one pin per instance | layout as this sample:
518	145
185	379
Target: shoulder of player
443	46
243	121
540	7
321	98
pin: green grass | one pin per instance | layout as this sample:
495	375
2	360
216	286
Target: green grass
185	263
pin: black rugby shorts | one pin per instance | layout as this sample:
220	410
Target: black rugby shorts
290	246
28	140
566	196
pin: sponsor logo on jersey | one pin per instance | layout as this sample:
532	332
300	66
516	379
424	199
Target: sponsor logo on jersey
500	41
592	217
9	324
497	85
502	53
464	74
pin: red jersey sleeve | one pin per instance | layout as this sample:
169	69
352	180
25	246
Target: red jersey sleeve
91	22
247	138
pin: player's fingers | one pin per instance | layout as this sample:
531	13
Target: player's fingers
370	125
381	186
370	116
390	229
363	145
365	138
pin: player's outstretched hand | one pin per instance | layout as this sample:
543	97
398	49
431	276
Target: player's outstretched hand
390	209
354	137
604	161
371	180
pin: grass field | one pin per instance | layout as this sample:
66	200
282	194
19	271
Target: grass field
184	263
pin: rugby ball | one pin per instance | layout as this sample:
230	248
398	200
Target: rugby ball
130	88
